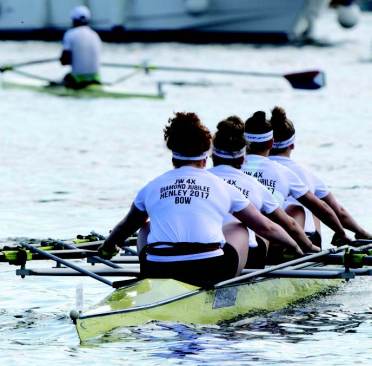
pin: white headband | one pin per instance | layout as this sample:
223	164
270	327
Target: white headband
179	156
257	137
229	154
283	144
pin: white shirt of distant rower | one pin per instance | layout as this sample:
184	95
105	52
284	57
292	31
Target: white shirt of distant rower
188	204
277	178
259	196
315	184
85	47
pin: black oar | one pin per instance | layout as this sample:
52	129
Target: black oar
11	67
313	79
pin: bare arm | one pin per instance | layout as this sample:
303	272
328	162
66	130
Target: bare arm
264	227
345	218
291	226
325	214
126	227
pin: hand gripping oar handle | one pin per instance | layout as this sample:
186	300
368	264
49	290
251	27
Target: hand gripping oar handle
68	264
96	258
307	258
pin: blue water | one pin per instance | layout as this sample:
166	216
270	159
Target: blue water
69	166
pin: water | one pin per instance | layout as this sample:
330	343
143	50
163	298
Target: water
69	166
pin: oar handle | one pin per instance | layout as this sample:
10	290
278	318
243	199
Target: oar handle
96	258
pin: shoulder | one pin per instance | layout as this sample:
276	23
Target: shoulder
92	33
214	177
281	168
71	32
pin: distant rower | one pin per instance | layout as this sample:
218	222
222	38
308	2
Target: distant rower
81	50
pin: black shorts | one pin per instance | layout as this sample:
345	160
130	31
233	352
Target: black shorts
69	81
199	272
315	238
257	255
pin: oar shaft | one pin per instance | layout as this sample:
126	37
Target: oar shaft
191	69
33	76
307	258
11	67
96	258
67	264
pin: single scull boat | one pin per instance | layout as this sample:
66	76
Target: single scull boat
91	91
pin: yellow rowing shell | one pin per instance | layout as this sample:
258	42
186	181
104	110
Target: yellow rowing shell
173	301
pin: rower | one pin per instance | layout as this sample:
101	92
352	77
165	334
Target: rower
81	50
228	156
280	180
284	144
185	238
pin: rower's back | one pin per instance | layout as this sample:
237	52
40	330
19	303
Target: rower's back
315	184
278	179
85	47
188	204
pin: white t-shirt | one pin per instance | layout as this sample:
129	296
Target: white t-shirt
85	47
188	204
258	195
278	179
315	184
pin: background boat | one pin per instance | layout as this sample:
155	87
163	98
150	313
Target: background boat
196	21
91	91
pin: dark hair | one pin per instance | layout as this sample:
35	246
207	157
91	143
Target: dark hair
283	128
229	137
258	124
80	22
186	135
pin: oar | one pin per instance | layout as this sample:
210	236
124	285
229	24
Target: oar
36	77
307	258
68	264
360	242
95	258
313	79
11	67
122	78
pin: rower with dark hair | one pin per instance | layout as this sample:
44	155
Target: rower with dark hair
228	156
284	143
185	238
81	50
280	180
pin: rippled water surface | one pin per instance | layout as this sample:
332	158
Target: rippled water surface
71	165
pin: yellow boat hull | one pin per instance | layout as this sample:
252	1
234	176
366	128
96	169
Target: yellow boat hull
170	300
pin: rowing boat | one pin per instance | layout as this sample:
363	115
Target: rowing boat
137	300
91	91
173	301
